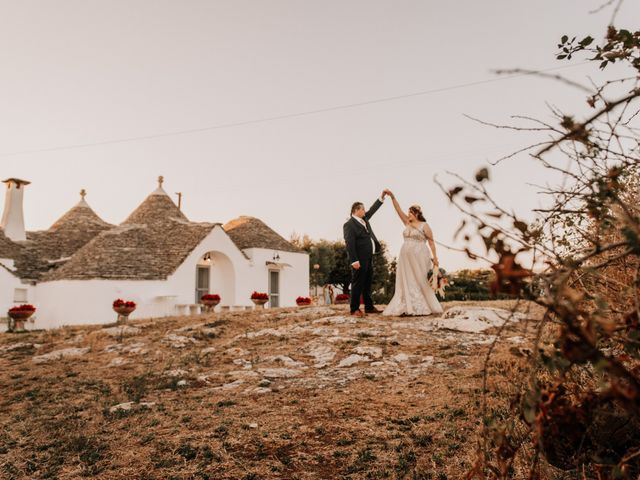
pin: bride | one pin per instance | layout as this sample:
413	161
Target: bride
413	294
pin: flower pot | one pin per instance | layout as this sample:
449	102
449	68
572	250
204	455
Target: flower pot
18	319
341	302
209	305
259	302
123	313
303	304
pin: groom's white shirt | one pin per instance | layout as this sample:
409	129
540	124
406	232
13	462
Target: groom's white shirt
364	224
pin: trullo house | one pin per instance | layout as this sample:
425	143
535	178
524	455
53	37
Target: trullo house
73	271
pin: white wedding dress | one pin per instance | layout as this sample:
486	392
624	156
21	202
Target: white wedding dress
413	295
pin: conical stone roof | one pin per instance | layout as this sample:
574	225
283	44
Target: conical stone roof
150	244
8	248
47	250
157	208
251	232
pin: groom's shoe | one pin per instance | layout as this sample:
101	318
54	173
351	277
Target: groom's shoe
372	310
357	313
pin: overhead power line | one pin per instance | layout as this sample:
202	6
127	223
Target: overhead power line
285	116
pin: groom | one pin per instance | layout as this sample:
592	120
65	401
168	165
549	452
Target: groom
361	244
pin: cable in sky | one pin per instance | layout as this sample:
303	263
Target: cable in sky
284	116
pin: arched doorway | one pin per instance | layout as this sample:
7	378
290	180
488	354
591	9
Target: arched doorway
215	274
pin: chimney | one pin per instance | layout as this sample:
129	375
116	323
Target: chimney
12	217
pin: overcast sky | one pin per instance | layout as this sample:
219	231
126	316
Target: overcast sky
91	72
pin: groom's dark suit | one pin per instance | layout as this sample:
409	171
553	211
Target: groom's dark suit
360	242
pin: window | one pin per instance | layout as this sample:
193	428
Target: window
20	295
202	282
274	288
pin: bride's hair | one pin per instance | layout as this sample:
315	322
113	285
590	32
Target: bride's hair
417	211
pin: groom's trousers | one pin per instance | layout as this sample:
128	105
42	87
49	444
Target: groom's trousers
361	281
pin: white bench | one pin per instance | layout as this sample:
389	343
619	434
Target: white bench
235	308
188	308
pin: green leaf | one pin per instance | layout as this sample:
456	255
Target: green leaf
586	41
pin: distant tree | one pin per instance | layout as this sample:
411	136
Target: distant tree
303	242
469	285
322	255
340	276
333	266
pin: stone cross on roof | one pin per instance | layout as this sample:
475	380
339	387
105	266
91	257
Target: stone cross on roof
82	202
160	190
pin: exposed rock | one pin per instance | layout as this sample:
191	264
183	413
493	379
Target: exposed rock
325	331
176	372
400	357
339	320
375	352
230	386
136	348
261	390
353	359
427	361
178	341
244	363
237	352
322	354
59	354
311	311
475	319
286	361
244	374
117	362
279	372
120	331
19	346
125	407
260	333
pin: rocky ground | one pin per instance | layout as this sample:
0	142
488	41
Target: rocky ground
306	393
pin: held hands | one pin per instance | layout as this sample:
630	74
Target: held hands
356	265
386	191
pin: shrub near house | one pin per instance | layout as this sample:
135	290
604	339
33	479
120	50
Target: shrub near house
469	285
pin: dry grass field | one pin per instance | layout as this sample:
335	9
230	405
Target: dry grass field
306	393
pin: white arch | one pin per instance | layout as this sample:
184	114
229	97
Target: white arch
222	275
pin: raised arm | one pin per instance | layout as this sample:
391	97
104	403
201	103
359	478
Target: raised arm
396	205
432	244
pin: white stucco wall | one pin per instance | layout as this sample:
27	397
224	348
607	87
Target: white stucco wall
294	279
230	270
78	302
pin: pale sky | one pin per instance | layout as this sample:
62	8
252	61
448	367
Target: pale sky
87	71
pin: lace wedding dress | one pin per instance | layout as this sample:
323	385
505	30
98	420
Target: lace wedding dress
413	295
